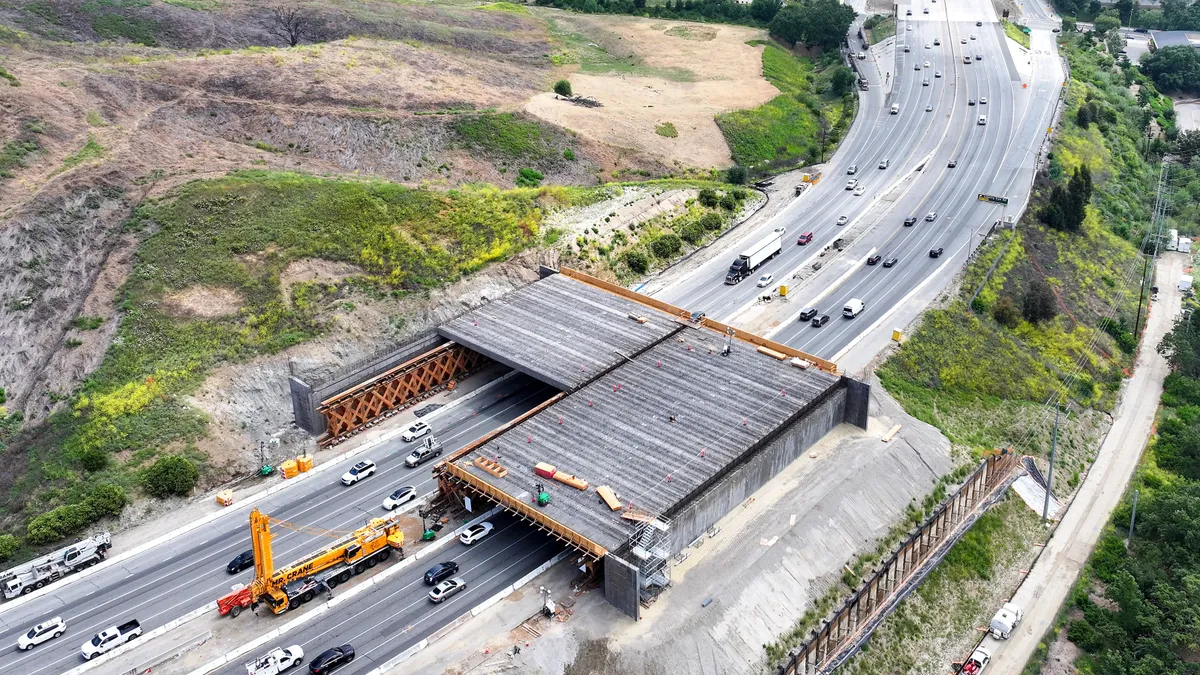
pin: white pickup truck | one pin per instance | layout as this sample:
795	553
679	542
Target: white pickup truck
110	638
276	661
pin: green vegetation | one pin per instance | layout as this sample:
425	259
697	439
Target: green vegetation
239	233
91	150
593	55
1014	33
94	119
506	135
114	26
87	322
529	178
12	79
1174	69
506	7
798	127
8	546
667	130
1135	608
171	475
815	23
64	521
198	5
879	28
14	153
562	88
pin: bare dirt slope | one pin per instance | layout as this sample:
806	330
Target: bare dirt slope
689	73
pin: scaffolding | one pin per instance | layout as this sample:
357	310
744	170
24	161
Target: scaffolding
650	545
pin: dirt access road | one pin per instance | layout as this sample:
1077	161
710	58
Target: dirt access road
1044	590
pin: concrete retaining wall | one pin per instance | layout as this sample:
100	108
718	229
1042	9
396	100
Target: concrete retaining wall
307	393
704	511
621	585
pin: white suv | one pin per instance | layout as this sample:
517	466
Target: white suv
475	533
415	431
47	630
358	472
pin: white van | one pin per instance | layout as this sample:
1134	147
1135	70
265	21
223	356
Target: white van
853	308
982	120
895	108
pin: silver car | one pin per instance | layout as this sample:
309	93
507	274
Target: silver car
446	589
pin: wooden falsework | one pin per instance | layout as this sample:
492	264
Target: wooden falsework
876	596
684	315
407	383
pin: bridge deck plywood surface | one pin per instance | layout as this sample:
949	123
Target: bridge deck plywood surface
657	429
560	331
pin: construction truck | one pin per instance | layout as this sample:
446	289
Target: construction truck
276	661
36	573
758	253
320	571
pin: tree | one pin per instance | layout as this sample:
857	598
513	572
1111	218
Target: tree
711	221
171	475
709	197
1038	305
765	10
1107	21
828	22
291	24
1188	143
736	174
562	88
842	80
790	24
636	261
666	246
1173	69
8	546
1005	313
1125	11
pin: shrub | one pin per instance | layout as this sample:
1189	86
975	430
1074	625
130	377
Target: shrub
529	178
64	521
636	261
107	500
692	233
667	130
736	174
708	197
666	246
8	546
171	475
93	459
711	221
569	155
1005	313
1038	304
562	88
729	202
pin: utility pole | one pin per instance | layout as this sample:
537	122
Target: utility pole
1132	518
1137	324
1050	476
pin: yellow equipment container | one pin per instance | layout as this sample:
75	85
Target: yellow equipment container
289	468
304	463
225	497
783	291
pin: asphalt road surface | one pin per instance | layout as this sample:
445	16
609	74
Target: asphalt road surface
182	575
394	616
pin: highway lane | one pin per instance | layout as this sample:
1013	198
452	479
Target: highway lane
905	139
183	575
394	616
1006	165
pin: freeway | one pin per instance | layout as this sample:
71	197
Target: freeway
394	616
185	574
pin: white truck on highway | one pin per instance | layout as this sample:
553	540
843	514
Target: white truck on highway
276	661
752	257
110	638
38	572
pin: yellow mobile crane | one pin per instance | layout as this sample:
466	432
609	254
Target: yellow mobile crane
297	583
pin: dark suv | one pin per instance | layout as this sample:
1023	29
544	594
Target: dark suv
808	313
331	659
910	221
440	571
242	562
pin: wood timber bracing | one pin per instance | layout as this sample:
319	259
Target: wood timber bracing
398	388
840	636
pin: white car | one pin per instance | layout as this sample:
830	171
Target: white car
765	279
972	36
446	589
358	472
276	661
415	431
926	64
928	107
842	220
47	630
400	496
928	46
852	170
475	533
781	229
909	27
982	100
860	190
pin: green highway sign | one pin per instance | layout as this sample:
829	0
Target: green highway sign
993	199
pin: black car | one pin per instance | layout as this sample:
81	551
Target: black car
935	252
910	221
242	562
808	313
952	163
819	321
978	23
970	101
874	259
331	659
442	570
891	262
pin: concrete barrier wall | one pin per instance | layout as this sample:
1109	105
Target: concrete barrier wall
704	511
621	585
